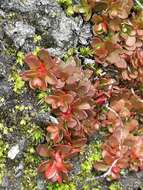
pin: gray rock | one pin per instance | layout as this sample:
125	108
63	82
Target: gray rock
45	118
18	5
46	2
24	6
53	120
2	13
42	118
19	170
63	34
59	32
89	61
140	175
2	70
5	89
13	152
19	167
10	184
76	1
2	46
66	34
1	34
5	182
85	34
132	181
17	149
47	18
40	184
28	46
22	144
18	32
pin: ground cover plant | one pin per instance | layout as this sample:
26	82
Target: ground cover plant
85	103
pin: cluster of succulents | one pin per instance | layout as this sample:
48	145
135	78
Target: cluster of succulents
73	101
77	96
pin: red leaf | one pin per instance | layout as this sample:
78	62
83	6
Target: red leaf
32	61
43	150
51	172
101	166
116	170
43	166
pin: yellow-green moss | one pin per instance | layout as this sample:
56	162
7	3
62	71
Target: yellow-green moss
2	99
3	152
4	130
85	51
69	186
40	96
11	51
69	53
115	186
68	5
18	83
31	161
94	154
11	15
30	157
22	107
37	38
20	58
37	49
29	178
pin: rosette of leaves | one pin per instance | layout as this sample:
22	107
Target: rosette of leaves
119	150
120	8
103	48
42	70
84	8
115	9
56	167
134	71
100	25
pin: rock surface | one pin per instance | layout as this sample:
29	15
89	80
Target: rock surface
21	21
46	18
18	32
